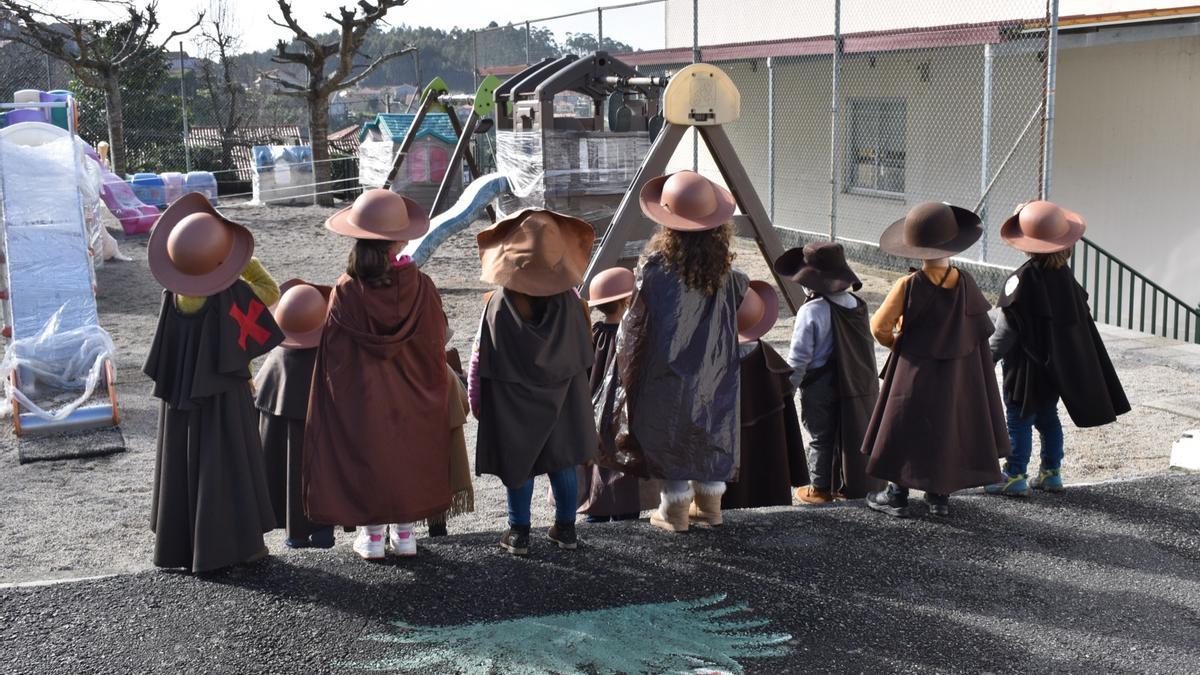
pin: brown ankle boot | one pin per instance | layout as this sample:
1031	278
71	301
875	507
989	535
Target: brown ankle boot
671	516
812	495
706	510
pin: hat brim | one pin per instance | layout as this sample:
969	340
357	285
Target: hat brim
498	270
343	223
309	339
1011	234
792	265
770	312
595	302
165	272
970	229
650	200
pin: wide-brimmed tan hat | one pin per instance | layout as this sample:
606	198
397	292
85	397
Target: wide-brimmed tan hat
301	312
750	312
1043	227
380	214
820	267
194	250
616	283
536	252
768	299
932	230
687	202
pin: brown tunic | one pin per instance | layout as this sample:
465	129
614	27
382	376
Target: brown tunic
772	461
858	390
939	425
376	449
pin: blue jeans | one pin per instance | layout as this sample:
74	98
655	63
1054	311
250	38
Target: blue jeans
1020	435
565	486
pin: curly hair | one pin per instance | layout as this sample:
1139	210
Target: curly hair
702	259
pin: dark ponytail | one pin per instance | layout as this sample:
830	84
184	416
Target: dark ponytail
370	262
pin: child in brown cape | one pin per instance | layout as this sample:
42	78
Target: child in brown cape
282	386
772	461
211	505
938	425
376	448
833	357
528	378
1049	347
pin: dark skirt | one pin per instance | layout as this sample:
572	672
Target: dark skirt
211	504
283	452
608	492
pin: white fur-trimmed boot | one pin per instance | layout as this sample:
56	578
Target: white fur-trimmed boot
706	505
672	512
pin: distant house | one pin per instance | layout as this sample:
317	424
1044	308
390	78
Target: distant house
428	157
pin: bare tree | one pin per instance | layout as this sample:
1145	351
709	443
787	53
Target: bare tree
97	52
220	39
354	24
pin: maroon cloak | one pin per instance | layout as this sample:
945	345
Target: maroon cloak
376	448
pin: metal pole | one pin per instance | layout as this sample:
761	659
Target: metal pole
599	28
528	59
49	74
1051	78
985	145
474	61
417	67
835	125
771	137
187	153
695	59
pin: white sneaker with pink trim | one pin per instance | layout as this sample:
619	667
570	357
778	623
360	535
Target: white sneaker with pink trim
369	545
404	542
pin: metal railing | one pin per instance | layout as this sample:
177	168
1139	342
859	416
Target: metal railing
1129	306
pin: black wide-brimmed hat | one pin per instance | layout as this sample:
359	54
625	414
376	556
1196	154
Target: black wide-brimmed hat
820	267
932	230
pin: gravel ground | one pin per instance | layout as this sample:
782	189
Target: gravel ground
101	506
1101	579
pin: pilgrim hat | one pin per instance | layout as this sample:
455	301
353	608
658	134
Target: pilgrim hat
930	231
612	284
687	202
1042	227
196	251
536	252
380	214
820	267
767	301
301	312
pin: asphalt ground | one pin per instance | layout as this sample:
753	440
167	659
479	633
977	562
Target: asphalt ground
1103	578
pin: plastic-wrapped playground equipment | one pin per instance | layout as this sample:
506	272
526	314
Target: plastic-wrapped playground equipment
283	174
427	158
58	354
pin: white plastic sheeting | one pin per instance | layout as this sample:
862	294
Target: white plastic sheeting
374	162
57	343
283	174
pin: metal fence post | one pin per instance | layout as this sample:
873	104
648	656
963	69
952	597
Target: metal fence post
49	74
1051	78
835	125
771	137
187	153
528	58
985	146
599	28
474	59
695	59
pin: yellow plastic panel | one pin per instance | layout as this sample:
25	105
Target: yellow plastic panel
701	95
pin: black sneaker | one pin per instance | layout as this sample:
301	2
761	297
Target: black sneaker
437	530
516	540
939	505
892	501
563	534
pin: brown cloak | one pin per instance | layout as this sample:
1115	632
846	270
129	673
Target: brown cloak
282	387
210	506
939	425
461	485
773	459
858	390
535	413
376	445
1060	353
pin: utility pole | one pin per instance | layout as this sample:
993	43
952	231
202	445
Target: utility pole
187	153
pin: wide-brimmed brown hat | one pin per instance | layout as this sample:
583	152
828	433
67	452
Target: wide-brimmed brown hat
380	214
194	250
768	299
1043	227
932	230
687	202
301	312
536	252
820	267
616	283
750	312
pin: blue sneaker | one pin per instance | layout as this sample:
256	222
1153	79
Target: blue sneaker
1011	486
1049	480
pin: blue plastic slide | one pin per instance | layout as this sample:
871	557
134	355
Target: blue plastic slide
458	217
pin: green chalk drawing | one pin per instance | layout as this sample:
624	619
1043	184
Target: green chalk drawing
673	637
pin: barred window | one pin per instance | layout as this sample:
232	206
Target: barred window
876	142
